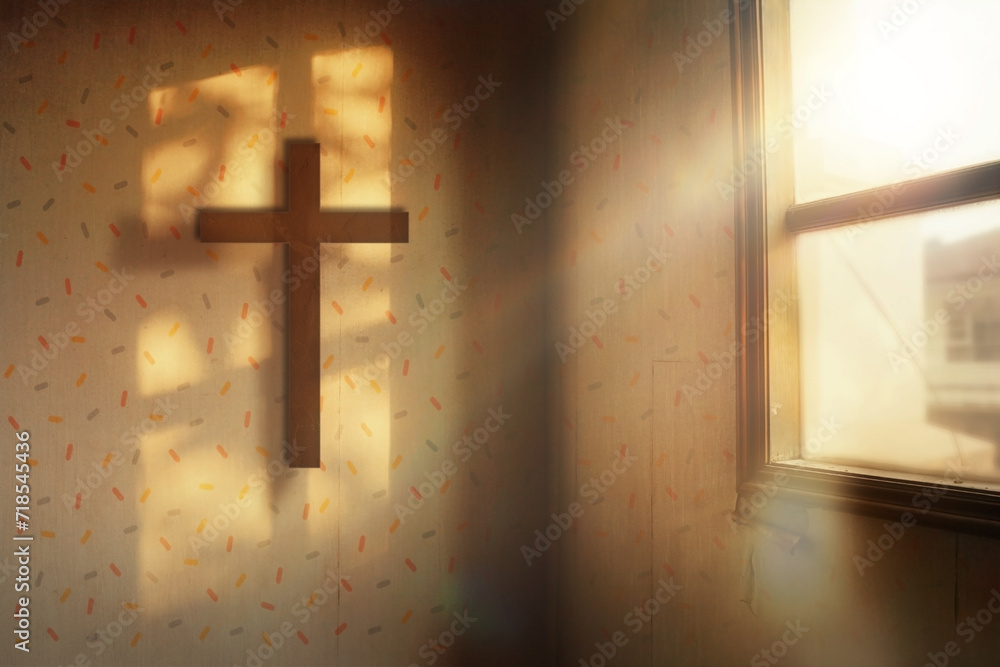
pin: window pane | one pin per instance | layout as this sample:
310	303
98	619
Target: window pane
885	91
900	342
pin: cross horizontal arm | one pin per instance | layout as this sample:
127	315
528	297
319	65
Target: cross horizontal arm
243	227
361	227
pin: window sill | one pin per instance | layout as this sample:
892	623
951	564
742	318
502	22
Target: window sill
937	502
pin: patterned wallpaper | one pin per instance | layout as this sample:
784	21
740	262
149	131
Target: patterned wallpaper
528	410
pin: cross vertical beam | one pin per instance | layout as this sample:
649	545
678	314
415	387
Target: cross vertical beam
303	226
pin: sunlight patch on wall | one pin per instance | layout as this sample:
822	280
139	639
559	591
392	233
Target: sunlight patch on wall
167	354
191	486
352	117
181	175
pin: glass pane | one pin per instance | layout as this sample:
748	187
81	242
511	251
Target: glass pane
886	91
900	342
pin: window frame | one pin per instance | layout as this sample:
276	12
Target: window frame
842	488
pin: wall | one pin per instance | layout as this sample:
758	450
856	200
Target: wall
623	390
635	239
160	499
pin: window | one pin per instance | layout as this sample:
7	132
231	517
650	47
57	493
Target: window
867	192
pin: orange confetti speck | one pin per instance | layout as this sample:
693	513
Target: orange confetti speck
174	456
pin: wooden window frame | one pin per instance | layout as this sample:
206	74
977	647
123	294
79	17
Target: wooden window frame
840	488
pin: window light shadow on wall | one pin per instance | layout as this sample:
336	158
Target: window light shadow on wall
352	121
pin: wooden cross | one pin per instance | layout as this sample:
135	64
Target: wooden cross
301	227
